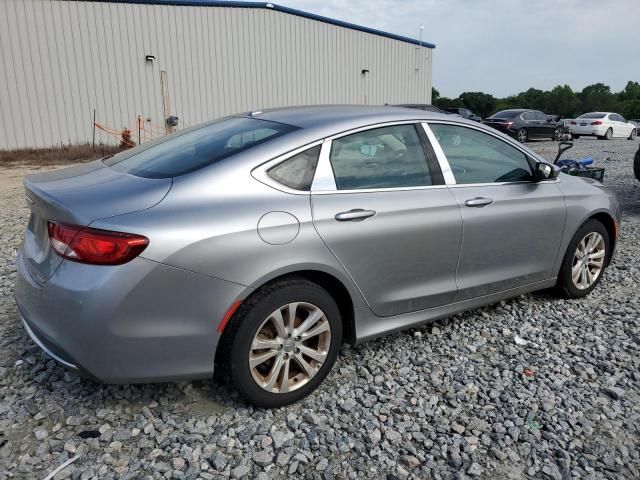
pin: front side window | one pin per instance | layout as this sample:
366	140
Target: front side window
297	172
477	157
197	147
387	157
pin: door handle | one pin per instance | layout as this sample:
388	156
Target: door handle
478	202
355	215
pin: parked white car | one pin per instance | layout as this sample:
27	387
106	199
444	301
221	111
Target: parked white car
604	125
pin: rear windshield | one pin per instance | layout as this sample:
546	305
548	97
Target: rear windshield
197	147
506	114
592	115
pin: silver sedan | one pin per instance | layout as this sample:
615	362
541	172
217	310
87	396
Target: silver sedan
256	244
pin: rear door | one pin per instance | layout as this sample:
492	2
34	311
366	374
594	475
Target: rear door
512	225
531	124
380	204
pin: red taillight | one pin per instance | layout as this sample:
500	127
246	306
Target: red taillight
573	122
597	122
98	247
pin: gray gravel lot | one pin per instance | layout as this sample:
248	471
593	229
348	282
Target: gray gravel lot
456	399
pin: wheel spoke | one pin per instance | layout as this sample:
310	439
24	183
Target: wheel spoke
311	353
291	316
284	386
272	378
590	276
305	365
597	254
256	360
278	321
265	344
575	273
322	326
313	317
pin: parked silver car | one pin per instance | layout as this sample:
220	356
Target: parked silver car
258	243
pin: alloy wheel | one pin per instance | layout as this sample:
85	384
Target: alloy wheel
290	347
522	135
588	261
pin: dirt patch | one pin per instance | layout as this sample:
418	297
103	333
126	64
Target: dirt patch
55	156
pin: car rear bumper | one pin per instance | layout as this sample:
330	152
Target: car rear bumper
588	130
138	322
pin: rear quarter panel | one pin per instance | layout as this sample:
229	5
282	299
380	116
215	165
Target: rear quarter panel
209	224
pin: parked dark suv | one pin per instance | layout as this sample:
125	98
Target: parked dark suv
525	124
464	112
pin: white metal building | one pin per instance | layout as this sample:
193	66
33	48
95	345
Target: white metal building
61	60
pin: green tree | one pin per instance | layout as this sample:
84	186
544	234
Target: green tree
481	103
597	97
561	100
631	92
435	95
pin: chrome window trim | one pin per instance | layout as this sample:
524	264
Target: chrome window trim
324	172
506	140
260	172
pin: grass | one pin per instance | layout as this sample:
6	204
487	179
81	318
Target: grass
55	155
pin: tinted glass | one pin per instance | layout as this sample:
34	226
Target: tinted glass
192	149
476	157
541	116
592	115
297	172
506	114
380	158
529	116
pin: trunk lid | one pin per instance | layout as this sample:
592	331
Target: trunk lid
80	195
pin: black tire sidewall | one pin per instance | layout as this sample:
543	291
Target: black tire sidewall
565	282
250	320
608	134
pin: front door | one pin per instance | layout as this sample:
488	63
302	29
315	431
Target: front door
512	225
389	219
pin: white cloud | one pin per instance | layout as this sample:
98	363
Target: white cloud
506	46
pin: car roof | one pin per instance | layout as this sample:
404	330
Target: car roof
352	116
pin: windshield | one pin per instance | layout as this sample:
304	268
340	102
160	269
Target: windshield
192	149
592	115
506	114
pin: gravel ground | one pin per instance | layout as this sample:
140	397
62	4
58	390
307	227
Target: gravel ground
456	399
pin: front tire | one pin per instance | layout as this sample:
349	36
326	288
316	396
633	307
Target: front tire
636	165
632	135
522	135
557	133
584	261
574	136
282	342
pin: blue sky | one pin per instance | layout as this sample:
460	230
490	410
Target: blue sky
505	46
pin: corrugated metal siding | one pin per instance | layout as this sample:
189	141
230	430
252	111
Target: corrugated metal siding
60	60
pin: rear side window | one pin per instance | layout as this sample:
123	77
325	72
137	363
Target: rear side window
388	157
297	172
477	157
197	147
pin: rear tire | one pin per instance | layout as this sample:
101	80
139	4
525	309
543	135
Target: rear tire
574	136
289	372
522	135
636	165
607	135
584	261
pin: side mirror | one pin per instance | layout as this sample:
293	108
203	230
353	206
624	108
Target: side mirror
546	171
